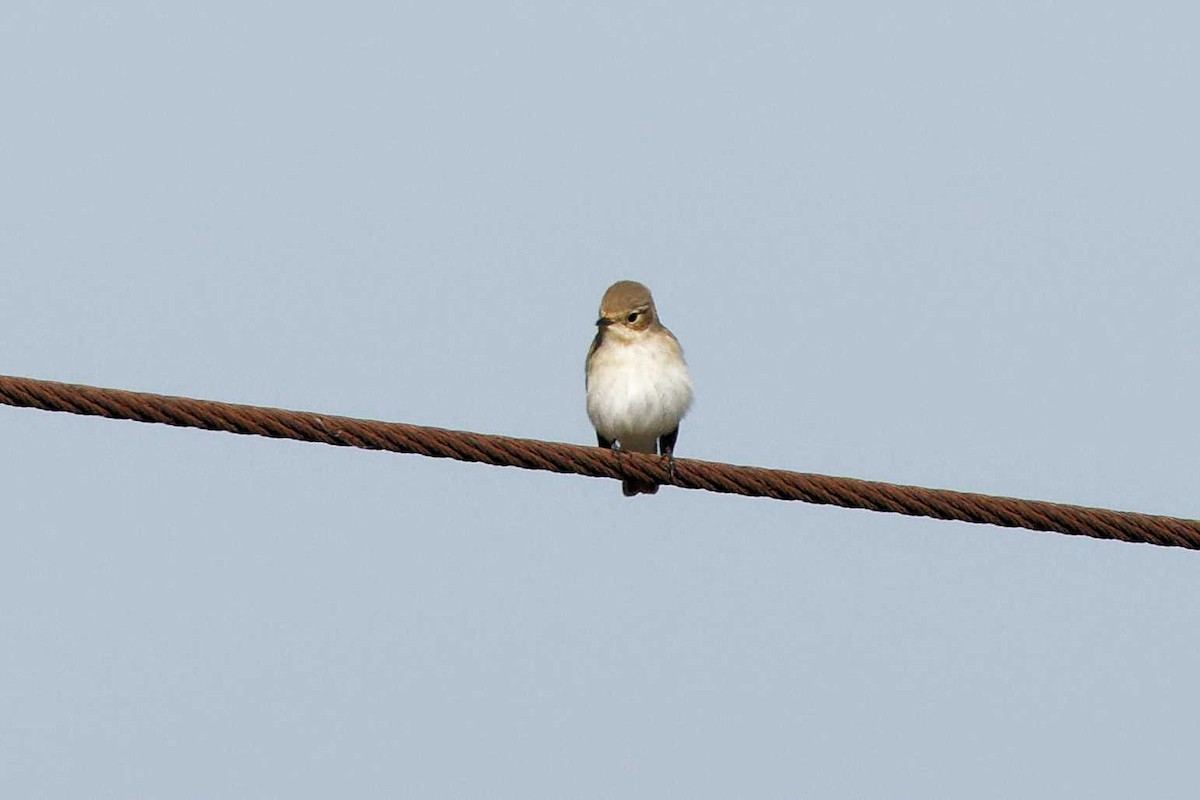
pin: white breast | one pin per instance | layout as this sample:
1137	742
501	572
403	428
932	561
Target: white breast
638	390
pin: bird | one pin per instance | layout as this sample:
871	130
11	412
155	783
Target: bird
638	387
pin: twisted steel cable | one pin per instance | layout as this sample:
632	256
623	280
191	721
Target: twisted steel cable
600	463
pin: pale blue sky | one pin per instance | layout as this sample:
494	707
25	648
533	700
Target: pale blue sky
926	243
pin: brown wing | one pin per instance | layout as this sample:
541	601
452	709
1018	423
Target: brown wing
678	346
596	342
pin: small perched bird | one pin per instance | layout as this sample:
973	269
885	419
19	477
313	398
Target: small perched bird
638	387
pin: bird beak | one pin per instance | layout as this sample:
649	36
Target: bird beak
603	322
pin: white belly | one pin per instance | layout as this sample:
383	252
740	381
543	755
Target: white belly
637	392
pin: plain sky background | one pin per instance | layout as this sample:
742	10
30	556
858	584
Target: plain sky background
927	243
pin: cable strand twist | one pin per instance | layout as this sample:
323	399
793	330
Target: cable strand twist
596	462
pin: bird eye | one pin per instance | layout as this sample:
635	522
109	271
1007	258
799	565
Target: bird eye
632	317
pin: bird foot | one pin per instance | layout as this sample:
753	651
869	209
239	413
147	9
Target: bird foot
670	457
616	448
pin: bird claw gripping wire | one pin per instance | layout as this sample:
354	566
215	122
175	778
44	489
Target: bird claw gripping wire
670	457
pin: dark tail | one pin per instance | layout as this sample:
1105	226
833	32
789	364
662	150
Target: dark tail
629	488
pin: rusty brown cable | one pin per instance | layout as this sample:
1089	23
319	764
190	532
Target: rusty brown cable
600	463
